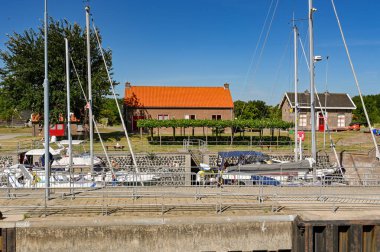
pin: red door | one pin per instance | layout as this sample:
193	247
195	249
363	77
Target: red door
321	122
134	122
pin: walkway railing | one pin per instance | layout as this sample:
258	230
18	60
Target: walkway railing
179	191
199	144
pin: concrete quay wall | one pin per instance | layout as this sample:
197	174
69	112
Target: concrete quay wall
157	234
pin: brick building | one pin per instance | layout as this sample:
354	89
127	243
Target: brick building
173	102
339	109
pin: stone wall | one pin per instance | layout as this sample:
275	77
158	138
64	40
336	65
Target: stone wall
172	169
177	161
214	160
6	161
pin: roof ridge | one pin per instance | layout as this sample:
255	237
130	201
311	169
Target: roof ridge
181	86
182	96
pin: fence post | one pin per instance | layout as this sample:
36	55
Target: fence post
8	190
206	134
45	203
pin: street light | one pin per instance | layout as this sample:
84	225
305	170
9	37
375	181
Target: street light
317	58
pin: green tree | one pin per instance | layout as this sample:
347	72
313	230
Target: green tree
21	78
239	107
109	110
251	110
372	103
275	112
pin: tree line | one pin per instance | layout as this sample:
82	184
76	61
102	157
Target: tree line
372	103
255	109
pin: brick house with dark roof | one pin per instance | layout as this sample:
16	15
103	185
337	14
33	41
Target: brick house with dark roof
339	109
174	102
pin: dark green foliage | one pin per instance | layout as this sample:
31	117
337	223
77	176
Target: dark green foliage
255	110
21	78
372	103
275	112
109	110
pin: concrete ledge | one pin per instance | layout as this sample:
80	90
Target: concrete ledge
156	234
145	221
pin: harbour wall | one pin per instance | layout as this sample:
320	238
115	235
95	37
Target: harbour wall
260	233
233	233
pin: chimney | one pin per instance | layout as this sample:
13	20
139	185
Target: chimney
127	85
226	86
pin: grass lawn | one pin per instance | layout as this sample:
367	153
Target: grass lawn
344	140
14	130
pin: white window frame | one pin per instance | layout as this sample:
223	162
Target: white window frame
163	117
189	117
302	121
341	121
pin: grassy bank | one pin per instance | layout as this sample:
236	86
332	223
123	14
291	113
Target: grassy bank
16	139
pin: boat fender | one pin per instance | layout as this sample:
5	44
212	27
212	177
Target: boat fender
311	161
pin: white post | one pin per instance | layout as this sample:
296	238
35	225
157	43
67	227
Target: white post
68	102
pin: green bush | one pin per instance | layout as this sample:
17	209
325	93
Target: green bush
221	124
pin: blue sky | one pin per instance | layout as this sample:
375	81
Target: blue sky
210	42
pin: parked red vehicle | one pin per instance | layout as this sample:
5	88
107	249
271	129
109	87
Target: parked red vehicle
354	126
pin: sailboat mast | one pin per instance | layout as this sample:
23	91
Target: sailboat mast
295	30
68	102
312	93
90	116
46	107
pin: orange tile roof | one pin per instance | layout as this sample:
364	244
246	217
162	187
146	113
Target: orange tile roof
180	97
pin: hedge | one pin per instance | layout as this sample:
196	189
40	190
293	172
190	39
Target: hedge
185	123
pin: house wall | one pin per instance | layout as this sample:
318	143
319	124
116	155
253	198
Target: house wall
178	113
286	115
332	117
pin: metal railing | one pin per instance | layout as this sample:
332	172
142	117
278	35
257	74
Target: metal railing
199	144
164	192
167	176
